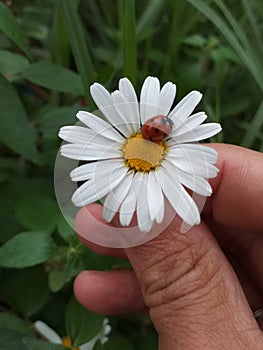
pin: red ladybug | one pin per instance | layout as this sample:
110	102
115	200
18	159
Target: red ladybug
157	128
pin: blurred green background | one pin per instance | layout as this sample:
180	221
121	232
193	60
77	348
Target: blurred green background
50	53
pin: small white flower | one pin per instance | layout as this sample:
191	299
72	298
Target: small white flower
130	171
49	334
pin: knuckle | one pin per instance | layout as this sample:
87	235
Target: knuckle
183	271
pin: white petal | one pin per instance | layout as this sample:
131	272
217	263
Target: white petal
183	126
103	100
107	105
181	201
128	205
79	134
186	106
90	152
196	151
143	216
126	88
98	187
115	197
202	132
99	125
127	122
76	134
149	99
166	98
193	165
100	95
87	171
47	332
89	345
190	180
155	198
195	183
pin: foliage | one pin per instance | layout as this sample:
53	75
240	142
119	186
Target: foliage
50	53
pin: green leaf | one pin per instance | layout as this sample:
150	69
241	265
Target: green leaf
98	346
35	30
74	264
82	325
195	40
36	344
129	42
78	46
11	340
56	279
56	320
52	76
55	118
37	212
15	131
9	225
14	323
117	341
9	26
27	249
25	289
65	230
12	63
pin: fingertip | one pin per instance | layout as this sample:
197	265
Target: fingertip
83	216
109	292
88	220
237	190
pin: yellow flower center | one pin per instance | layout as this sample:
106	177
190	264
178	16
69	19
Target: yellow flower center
67	343
143	155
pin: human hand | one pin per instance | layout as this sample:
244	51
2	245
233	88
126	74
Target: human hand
198	298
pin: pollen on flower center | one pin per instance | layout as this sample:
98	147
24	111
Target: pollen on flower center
67	343
143	155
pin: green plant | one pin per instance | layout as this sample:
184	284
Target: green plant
50	53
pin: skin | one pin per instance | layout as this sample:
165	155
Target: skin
200	287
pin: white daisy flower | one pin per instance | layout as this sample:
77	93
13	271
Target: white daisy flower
49	334
142	153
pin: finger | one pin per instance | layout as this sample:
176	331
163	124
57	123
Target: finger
110	292
192	292
252	290
246	248
225	237
85	223
238	189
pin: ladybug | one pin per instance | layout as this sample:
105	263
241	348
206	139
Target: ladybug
157	128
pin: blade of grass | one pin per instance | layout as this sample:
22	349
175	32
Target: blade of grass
149	16
221	25
253	23
234	24
59	42
129	42
10	27
108	11
241	35
78	46
92	14
254	128
183	18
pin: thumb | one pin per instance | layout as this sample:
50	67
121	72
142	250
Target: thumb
194	298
